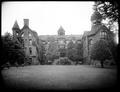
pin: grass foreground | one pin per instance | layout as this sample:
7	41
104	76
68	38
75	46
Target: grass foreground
57	77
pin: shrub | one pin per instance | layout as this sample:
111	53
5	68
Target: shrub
63	61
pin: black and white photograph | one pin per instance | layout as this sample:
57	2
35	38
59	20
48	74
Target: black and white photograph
59	45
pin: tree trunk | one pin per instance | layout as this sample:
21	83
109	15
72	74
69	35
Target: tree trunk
102	65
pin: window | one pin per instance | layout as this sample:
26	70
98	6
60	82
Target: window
103	34
17	34
30	50
30	35
30	41
90	42
22	35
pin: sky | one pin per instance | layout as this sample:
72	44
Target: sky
46	17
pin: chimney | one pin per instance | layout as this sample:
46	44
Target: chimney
26	22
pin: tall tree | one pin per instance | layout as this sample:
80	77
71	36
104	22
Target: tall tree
109	12
72	51
113	48
52	51
12	51
40	50
100	51
62	52
79	48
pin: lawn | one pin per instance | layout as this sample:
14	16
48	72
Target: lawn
59	77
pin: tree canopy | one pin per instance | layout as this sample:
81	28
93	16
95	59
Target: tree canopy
100	51
109	12
12	51
75	51
107	9
52	51
40	50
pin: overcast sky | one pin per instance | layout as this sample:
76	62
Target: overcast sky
46	17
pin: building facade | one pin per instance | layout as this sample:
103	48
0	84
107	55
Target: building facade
61	39
98	31
29	40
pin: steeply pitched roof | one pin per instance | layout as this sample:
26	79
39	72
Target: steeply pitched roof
61	31
24	27
95	29
16	25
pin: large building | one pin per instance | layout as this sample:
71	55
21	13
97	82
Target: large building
98	31
29	39
61	38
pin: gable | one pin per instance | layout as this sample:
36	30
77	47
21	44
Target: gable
28	33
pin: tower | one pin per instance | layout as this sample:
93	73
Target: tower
61	31
96	18
15	29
